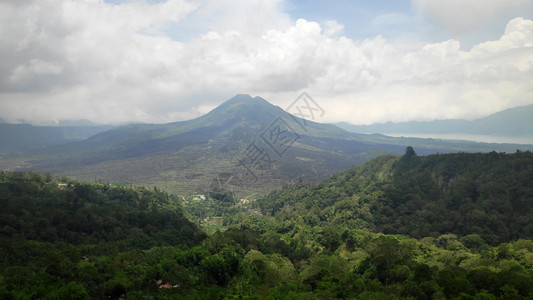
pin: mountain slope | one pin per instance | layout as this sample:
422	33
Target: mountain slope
66	231
515	121
246	144
36	207
208	150
485	194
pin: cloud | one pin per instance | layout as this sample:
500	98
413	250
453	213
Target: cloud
252	17
333	28
82	53
461	17
116	63
518	33
440	80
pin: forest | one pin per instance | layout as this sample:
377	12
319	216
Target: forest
445	226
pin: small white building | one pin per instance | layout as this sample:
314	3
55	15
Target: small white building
198	197
62	186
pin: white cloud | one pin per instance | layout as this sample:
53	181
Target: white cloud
251	17
333	28
461	16
114	63
518	33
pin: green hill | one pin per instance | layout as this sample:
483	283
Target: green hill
490	195
54	234
36	207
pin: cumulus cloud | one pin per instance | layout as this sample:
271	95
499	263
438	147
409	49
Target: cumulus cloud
116	63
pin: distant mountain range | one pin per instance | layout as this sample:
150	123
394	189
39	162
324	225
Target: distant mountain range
246	144
517	121
25	137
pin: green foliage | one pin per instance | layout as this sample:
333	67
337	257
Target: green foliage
461	219
34	208
65	234
481	198
222	195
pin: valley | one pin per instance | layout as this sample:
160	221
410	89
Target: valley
437	226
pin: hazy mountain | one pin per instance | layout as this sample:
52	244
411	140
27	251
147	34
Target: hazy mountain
513	121
517	121
81	122
25	137
245	144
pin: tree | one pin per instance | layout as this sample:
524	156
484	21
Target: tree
73	290
385	253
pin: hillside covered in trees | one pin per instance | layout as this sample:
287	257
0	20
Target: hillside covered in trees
435	227
485	194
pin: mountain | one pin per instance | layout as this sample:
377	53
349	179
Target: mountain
517	121
246	144
81	122
514	121
25	137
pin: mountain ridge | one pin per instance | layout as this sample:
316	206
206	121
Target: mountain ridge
516	121
486	194
25	137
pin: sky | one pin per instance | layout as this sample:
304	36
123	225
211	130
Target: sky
363	62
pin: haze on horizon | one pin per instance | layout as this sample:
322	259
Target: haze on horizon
162	61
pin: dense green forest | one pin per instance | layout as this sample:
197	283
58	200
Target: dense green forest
485	194
441	226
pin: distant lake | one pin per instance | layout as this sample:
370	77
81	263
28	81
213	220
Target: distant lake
469	137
